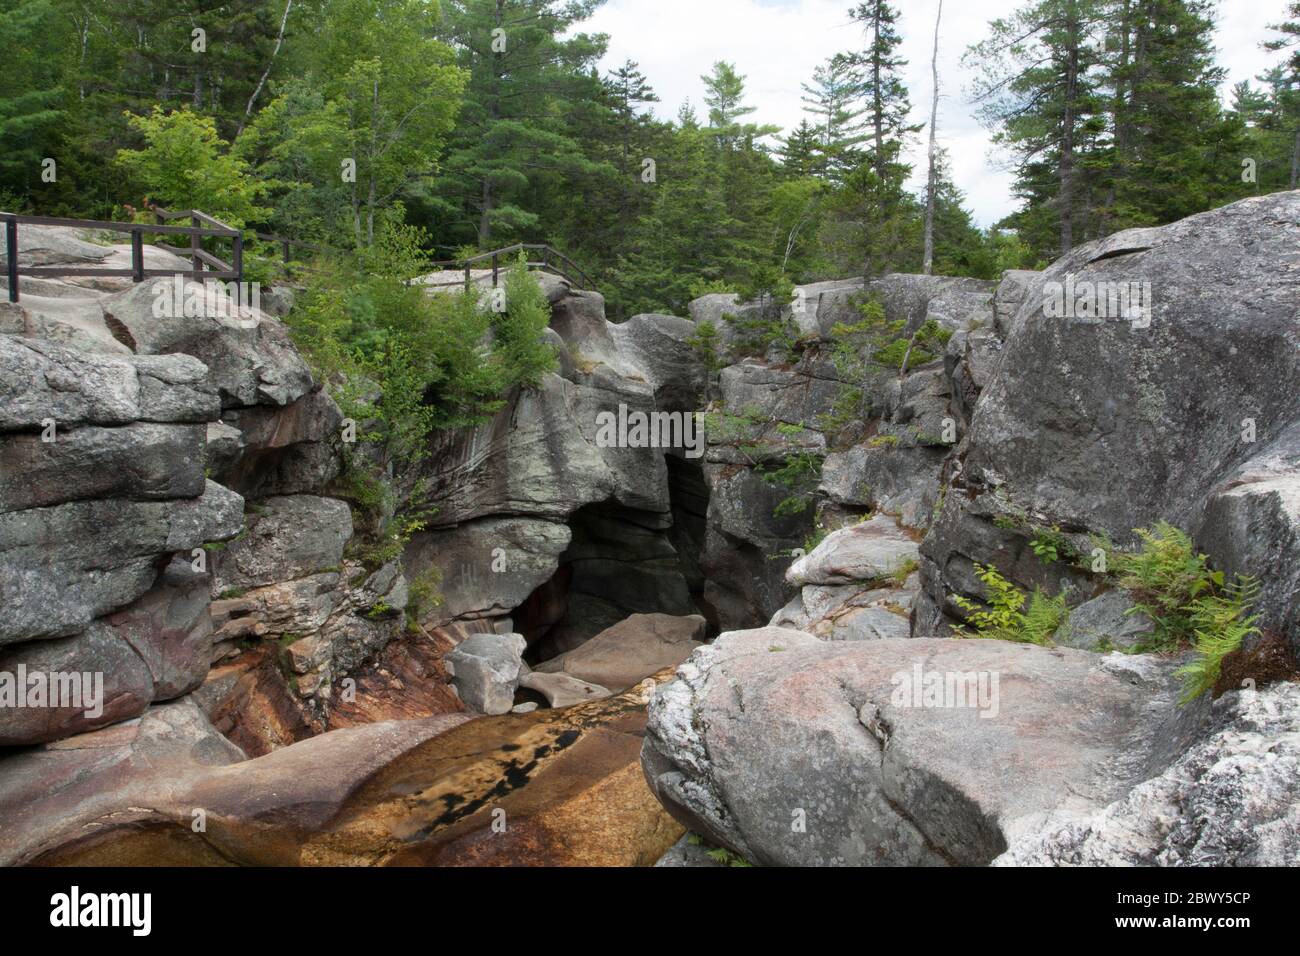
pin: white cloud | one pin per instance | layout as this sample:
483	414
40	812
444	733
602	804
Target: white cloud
776	44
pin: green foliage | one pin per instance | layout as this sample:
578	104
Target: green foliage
799	472
721	854
904	571
1188	602
1219	623
517	331
761	332
1165	576
412	362
1051	544
706	345
186	165
423	595
1007	616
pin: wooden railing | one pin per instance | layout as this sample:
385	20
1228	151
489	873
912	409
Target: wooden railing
551	260
204	264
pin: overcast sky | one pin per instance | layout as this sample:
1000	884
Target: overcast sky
776	44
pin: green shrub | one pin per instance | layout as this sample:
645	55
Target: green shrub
799	472
412	362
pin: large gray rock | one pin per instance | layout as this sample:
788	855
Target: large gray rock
142	460
1106	622
251	359
1251	525
40	381
1228	801
793	751
657	345
538	458
488	567
157	649
1109	425
788	395
850	612
283	450
485	670
886	475
562	690
288	537
63	566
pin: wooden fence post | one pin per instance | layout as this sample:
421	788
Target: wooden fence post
11	251
137	255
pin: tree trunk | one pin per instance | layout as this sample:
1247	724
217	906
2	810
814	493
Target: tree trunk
1066	197
932	180
279	39
1295	160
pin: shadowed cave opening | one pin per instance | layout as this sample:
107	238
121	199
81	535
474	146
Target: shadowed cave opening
622	561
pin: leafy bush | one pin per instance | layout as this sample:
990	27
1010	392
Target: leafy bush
409	362
185	164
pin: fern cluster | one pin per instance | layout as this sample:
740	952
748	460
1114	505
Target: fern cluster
1188	603
1009	615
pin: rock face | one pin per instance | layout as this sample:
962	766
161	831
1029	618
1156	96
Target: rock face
792	751
1228	801
1185	413
150	463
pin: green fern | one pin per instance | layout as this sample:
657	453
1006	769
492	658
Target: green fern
1219	624
1008	615
1165	577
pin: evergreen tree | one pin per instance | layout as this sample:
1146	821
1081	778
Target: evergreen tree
873	215
513	147
834	98
1039	91
1284	83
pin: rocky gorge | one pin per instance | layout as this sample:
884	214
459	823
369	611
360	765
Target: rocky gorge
586	651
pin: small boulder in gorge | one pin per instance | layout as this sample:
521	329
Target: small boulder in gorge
485	670
868	551
793	751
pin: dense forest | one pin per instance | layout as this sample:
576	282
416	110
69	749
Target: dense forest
486	122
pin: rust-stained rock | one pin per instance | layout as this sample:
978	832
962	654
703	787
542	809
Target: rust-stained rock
566	784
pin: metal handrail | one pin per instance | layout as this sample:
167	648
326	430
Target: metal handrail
205	265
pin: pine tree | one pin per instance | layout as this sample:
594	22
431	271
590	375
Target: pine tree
874	216
834	98
512	146
1285	85
799	152
1039	92
1181	153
